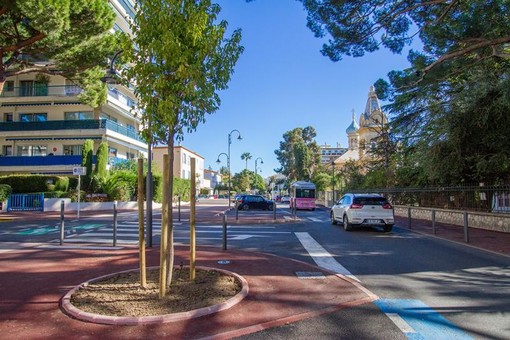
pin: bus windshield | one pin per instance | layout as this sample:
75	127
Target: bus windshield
305	193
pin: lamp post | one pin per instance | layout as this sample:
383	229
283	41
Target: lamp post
228	159
112	78
228	162
261	162
333	179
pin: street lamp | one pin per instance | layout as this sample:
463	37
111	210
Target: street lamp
261	162
228	162
333	179
228	159
112	78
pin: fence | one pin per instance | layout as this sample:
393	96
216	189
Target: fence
493	198
25	202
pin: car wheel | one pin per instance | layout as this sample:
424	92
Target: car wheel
270	207
388	227
347	224
246	207
333	221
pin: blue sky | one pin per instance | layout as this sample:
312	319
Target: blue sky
281	82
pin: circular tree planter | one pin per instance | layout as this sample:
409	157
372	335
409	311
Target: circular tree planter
79	314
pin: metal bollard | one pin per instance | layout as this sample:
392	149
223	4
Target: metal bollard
433	221
224	232
237	213
114	223
62	204
274	210
409	217
466	227
179	207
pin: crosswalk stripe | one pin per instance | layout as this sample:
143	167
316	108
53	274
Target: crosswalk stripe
321	256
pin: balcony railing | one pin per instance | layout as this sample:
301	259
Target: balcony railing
41	91
39	160
84	124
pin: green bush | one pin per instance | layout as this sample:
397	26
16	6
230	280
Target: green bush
5	191
23	184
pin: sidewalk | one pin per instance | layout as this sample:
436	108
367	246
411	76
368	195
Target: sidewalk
494	241
35	277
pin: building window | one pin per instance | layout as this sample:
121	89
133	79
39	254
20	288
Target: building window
32	150
7	150
79	115
108	117
130	155
9	86
73	150
30	88
8	117
33	117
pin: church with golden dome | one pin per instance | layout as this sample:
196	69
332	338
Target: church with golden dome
362	136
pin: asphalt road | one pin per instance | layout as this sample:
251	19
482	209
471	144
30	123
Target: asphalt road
428	288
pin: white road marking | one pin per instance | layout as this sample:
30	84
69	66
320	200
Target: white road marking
321	256
400	323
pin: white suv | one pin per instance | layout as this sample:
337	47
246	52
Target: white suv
363	209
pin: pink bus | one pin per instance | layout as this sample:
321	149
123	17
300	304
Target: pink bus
302	195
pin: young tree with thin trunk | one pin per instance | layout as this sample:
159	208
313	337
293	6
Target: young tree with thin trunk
181	60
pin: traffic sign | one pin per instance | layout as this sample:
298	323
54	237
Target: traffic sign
79	170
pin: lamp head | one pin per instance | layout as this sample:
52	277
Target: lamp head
218	161
239	138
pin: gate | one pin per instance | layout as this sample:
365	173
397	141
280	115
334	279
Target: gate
26	202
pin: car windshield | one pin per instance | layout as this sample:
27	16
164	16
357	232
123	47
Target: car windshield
370	200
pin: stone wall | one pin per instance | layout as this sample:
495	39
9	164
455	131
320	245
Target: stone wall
495	222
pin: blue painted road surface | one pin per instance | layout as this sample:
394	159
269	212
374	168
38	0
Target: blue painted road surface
419	321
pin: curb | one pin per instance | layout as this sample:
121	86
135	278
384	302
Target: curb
77	313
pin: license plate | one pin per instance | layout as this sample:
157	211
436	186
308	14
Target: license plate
373	221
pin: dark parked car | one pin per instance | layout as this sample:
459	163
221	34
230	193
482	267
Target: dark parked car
247	202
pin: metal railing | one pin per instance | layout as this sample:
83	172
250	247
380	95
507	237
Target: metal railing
83	124
487	198
41	91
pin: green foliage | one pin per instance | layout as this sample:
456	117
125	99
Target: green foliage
246	156
322	181
450	107
121	185
190	63
5	191
72	35
87	154
182	187
22	184
241	182
299	154
102	160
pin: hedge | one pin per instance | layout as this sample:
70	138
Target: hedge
5	191
23	184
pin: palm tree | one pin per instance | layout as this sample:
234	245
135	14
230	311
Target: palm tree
246	157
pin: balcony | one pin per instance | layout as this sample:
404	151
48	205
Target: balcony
84	124
40	160
41	91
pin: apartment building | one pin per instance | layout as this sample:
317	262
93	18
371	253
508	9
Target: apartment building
182	163
43	125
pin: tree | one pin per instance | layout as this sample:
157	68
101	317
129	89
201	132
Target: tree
181	60
102	160
299	154
72	36
87	154
246	156
447	29
241	182
448	103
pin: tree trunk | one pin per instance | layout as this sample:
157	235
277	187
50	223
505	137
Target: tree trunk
170	244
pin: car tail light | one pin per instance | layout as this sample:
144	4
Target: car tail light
356	206
387	206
